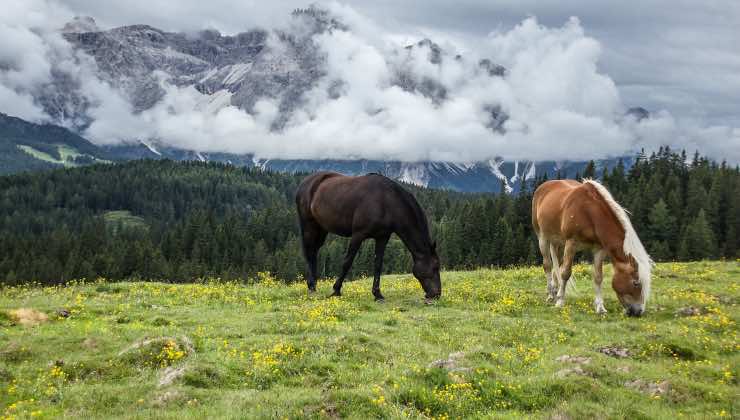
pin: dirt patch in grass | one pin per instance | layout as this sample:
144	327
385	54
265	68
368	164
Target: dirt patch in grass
27	317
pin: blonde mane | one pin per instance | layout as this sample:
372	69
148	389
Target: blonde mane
632	245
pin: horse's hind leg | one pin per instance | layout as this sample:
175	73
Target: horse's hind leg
599	256
354	246
552	289
380	244
313	237
564	275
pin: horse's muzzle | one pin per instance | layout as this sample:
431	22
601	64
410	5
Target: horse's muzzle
435	295
634	310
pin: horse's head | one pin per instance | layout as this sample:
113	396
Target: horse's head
426	269
626	283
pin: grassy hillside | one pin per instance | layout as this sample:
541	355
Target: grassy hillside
490	348
25	146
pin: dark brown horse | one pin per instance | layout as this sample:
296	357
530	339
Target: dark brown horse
362	207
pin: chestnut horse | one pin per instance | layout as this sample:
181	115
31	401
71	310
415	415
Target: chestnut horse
569	216
362	207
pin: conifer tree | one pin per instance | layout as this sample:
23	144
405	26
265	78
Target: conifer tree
698	241
662	224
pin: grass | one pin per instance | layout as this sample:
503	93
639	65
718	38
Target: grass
67	155
266	350
124	218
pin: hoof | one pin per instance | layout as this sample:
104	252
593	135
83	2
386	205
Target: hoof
380	299
549	299
311	290
429	301
335	294
559	303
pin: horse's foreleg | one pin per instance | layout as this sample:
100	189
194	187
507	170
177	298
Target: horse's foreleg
547	265
598	277
380	244
565	270
354	246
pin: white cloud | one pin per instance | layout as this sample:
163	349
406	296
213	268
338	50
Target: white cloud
560	103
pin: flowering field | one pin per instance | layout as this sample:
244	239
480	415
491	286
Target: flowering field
491	348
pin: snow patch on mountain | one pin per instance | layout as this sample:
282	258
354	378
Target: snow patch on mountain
531	172
515	178
151	147
414	174
495	167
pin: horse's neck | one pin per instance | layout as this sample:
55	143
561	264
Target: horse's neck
611	236
415	240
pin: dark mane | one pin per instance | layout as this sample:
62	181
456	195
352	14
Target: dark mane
410	201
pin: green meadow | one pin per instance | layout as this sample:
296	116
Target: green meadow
490	348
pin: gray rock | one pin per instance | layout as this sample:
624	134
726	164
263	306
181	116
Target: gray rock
651	388
451	363
579	360
170	374
576	370
618	352
691	311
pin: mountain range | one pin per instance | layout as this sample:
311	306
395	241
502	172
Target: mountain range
28	146
236	71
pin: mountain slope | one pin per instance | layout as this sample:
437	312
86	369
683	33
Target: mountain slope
28	146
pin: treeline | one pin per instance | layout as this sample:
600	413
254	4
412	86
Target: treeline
683	209
177	222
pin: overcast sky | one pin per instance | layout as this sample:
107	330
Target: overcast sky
573	68
678	55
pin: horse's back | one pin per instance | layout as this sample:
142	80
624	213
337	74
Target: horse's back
339	203
548	199
307	188
561	209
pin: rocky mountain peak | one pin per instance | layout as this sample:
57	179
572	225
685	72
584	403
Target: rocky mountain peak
318	19
81	24
638	113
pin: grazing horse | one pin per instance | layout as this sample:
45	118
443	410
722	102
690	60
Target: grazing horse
362	207
569	216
